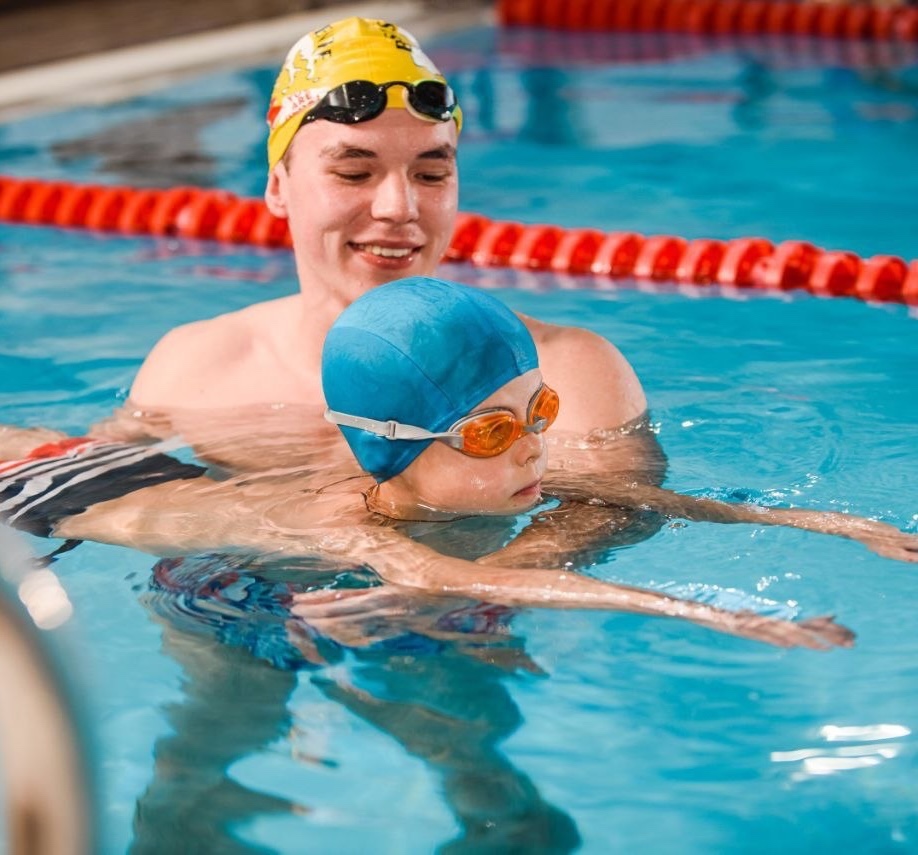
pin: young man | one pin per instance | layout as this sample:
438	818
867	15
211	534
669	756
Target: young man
362	163
438	391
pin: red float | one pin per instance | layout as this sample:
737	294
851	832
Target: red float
740	257
268	230
14	199
659	257
466	232
881	278
789	266
134	218
535	247
495	244
236	221
199	217
71	209
905	27
167	207
910	285
716	17
42	202
105	208
834	274
700	262
616	254
576	251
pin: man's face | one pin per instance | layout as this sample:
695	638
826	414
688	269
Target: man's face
367	203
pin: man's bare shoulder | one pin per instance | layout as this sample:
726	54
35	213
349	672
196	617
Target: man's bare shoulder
569	347
559	335
188	358
597	385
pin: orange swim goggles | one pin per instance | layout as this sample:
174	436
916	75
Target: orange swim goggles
485	433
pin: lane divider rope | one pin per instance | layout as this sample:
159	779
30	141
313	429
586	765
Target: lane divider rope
750	262
717	17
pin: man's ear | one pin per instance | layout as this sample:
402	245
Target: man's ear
276	191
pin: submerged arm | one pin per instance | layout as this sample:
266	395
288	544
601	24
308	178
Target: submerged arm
880	537
622	470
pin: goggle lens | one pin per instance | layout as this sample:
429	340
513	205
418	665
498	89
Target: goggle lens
362	100
433	99
490	434
544	406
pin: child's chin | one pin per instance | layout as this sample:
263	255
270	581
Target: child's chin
522	503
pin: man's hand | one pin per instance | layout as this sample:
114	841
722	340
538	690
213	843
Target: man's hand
879	537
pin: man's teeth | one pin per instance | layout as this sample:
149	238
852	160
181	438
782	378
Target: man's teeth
385	251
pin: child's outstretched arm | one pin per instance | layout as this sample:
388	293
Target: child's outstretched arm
408	564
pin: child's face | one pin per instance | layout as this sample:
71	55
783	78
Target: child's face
444	479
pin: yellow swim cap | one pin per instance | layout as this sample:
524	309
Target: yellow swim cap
348	50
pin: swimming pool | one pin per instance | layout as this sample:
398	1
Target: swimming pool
615	730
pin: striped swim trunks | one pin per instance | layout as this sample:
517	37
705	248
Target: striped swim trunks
62	479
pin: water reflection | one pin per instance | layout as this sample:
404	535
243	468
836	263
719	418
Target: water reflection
429	672
161	150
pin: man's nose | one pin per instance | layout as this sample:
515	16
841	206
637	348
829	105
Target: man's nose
395	200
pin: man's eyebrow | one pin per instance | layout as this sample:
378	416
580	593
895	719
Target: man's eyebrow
350	152
442	152
346	152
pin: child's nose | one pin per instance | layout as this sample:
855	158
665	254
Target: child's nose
530	446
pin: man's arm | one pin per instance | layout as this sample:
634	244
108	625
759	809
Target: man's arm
161	383
17	442
879	537
598	470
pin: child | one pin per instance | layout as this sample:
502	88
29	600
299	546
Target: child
437	390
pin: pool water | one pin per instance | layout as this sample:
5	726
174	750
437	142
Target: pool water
603	731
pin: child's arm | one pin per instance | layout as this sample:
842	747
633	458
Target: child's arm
403	562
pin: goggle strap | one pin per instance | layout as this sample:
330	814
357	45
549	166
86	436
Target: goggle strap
389	429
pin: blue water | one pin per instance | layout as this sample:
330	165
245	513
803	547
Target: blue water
638	733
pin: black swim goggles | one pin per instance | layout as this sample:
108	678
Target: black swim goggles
362	100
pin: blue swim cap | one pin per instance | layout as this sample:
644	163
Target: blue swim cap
423	352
